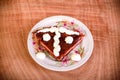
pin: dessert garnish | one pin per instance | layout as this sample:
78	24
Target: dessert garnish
58	41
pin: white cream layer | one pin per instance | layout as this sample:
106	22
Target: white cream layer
56	45
61	30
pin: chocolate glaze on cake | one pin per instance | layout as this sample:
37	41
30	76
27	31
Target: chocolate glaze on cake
65	48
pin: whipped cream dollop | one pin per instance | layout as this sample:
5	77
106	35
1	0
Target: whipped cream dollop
58	31
69	39
52	29
56	45
75	57
70	32
46	37
41	55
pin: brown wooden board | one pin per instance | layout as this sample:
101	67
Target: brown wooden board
17	17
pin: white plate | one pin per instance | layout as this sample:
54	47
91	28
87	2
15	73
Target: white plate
48	63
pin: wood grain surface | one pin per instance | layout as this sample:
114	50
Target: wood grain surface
17	17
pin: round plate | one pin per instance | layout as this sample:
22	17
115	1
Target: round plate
48	63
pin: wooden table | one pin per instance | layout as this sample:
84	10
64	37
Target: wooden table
17	17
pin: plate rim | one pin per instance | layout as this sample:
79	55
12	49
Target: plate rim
54	68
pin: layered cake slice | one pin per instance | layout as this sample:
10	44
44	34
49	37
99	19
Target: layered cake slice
58	41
